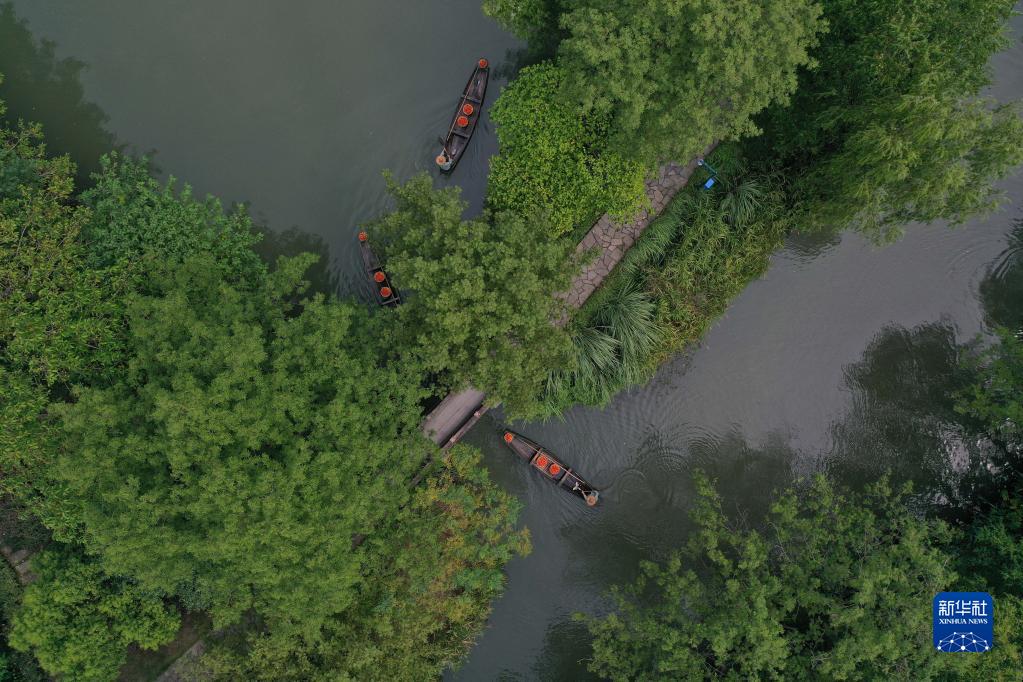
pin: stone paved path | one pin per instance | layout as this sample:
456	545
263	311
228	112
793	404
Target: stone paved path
20	561
614	240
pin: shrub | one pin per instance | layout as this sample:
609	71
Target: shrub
552	159
79	622
678	277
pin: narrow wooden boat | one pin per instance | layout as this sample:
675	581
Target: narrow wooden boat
387	293
467	115
552	468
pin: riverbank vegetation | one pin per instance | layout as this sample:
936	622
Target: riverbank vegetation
672	284
833	116
555	160
199	432
483	293
836	583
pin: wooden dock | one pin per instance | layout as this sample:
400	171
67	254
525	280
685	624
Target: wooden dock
455	415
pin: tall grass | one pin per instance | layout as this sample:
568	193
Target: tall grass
670	287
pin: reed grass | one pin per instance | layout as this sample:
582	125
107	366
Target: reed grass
671	286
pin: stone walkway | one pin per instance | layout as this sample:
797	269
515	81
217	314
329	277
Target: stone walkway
20	561
614	240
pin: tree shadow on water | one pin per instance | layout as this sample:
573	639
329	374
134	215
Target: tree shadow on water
293	241
902	418
39	87
646	514
565	653
1001	290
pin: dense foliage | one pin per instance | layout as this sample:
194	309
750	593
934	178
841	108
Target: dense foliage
998	400
888	128
433	579
677	278
79	621
832	590
15	666
480	302
874	110
242	435
58	321
673	76
133	215
993	512
208	431
552	158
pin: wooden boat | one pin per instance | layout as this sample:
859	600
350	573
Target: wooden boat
552	468
467	115
387	293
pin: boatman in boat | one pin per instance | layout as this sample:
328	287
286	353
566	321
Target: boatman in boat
444	160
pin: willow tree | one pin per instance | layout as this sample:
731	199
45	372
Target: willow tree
481	305
832	589
675	76
890	128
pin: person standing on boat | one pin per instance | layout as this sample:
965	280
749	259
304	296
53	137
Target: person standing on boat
444	160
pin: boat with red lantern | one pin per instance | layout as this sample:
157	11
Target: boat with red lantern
552	468
467	115
387	293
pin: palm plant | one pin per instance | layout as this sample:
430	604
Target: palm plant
742	201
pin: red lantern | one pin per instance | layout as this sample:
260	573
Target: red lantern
385	292
462	121
508	436
483	63
542	461
379	276
363	236
467	109
555	469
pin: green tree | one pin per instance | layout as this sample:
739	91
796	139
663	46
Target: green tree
993	516
57	315
675	76
245	444
481	305
133	216
996	399
834	588
79	622
59	320
432	583
532	20
553	160
888	128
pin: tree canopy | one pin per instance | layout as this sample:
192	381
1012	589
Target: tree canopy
481	303
832	588
79	621
133	216
431	584
245	444
888	128
673	76
204	428
553	159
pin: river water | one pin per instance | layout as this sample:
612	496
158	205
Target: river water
837	359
